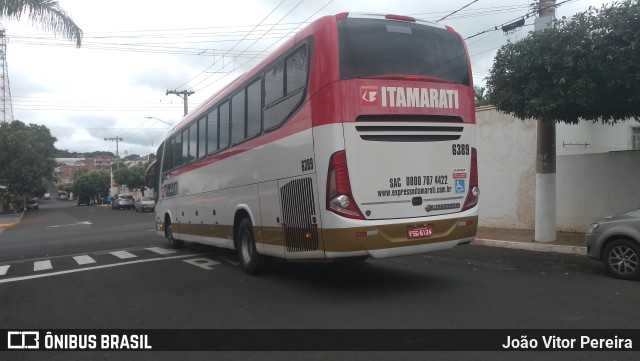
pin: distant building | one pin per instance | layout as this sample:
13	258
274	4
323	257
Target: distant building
66	174
70	161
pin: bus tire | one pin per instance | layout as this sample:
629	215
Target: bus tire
252	262
173	243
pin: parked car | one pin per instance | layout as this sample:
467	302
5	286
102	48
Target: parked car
145	204
615	240
122	201
47	196
84	199
32	204
63	195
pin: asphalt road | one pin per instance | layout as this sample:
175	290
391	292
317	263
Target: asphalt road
80	267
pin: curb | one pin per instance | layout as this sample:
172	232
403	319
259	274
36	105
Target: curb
13	224
532	246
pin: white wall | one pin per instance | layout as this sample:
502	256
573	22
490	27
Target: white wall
592	186
588	186
599	138
506	170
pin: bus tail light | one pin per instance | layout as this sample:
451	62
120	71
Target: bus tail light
400	18
474	191
339	196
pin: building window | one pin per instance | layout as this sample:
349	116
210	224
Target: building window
635	138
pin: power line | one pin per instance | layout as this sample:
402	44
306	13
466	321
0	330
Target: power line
526	16
274	43
239	41
462	8
287	14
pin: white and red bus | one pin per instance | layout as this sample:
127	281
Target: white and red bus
356	138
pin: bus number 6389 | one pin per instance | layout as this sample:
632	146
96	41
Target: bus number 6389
460	149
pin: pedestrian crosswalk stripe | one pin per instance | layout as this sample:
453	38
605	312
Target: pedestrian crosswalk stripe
84	269
3	270
42	265
81	260
123	254
160	250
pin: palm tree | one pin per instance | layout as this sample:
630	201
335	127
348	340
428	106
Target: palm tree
481	96
46	12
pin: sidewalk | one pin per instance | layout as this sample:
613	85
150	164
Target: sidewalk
8	220
571	243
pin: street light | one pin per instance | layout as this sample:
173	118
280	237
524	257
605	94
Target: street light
164	121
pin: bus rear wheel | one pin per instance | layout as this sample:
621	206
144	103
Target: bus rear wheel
252	263
173	243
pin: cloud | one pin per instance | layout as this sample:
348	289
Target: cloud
159	79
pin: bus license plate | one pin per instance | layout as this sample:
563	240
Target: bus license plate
419	232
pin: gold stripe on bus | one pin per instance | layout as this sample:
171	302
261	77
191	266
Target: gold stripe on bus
352	239
395	235
205	230
266	235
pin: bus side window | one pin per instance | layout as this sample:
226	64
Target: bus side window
185	147
238	119
293	79
254	108
193	142
296	66
167	159
212	131
273	91
224	126
177	151
202	137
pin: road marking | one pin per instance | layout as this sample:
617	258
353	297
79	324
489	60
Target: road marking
16	279
72	224
162	251
84	259
3	270
123	254
202	263
42	265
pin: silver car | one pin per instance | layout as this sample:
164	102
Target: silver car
145	203
615	240
123	201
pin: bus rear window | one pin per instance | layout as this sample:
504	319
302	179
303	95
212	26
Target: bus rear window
370	47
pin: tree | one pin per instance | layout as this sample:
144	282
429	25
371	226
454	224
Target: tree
92	184
480	96
26	160
132	177
585	67
131	157
46	12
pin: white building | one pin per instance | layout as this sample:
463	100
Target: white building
588	137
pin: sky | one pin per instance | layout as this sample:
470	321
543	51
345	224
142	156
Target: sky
134	51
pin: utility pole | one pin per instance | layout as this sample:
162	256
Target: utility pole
115	139
6	108
185	94
546	221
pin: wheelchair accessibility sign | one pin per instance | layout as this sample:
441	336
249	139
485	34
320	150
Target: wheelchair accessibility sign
460	188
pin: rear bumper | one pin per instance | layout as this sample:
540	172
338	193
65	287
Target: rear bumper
390	240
